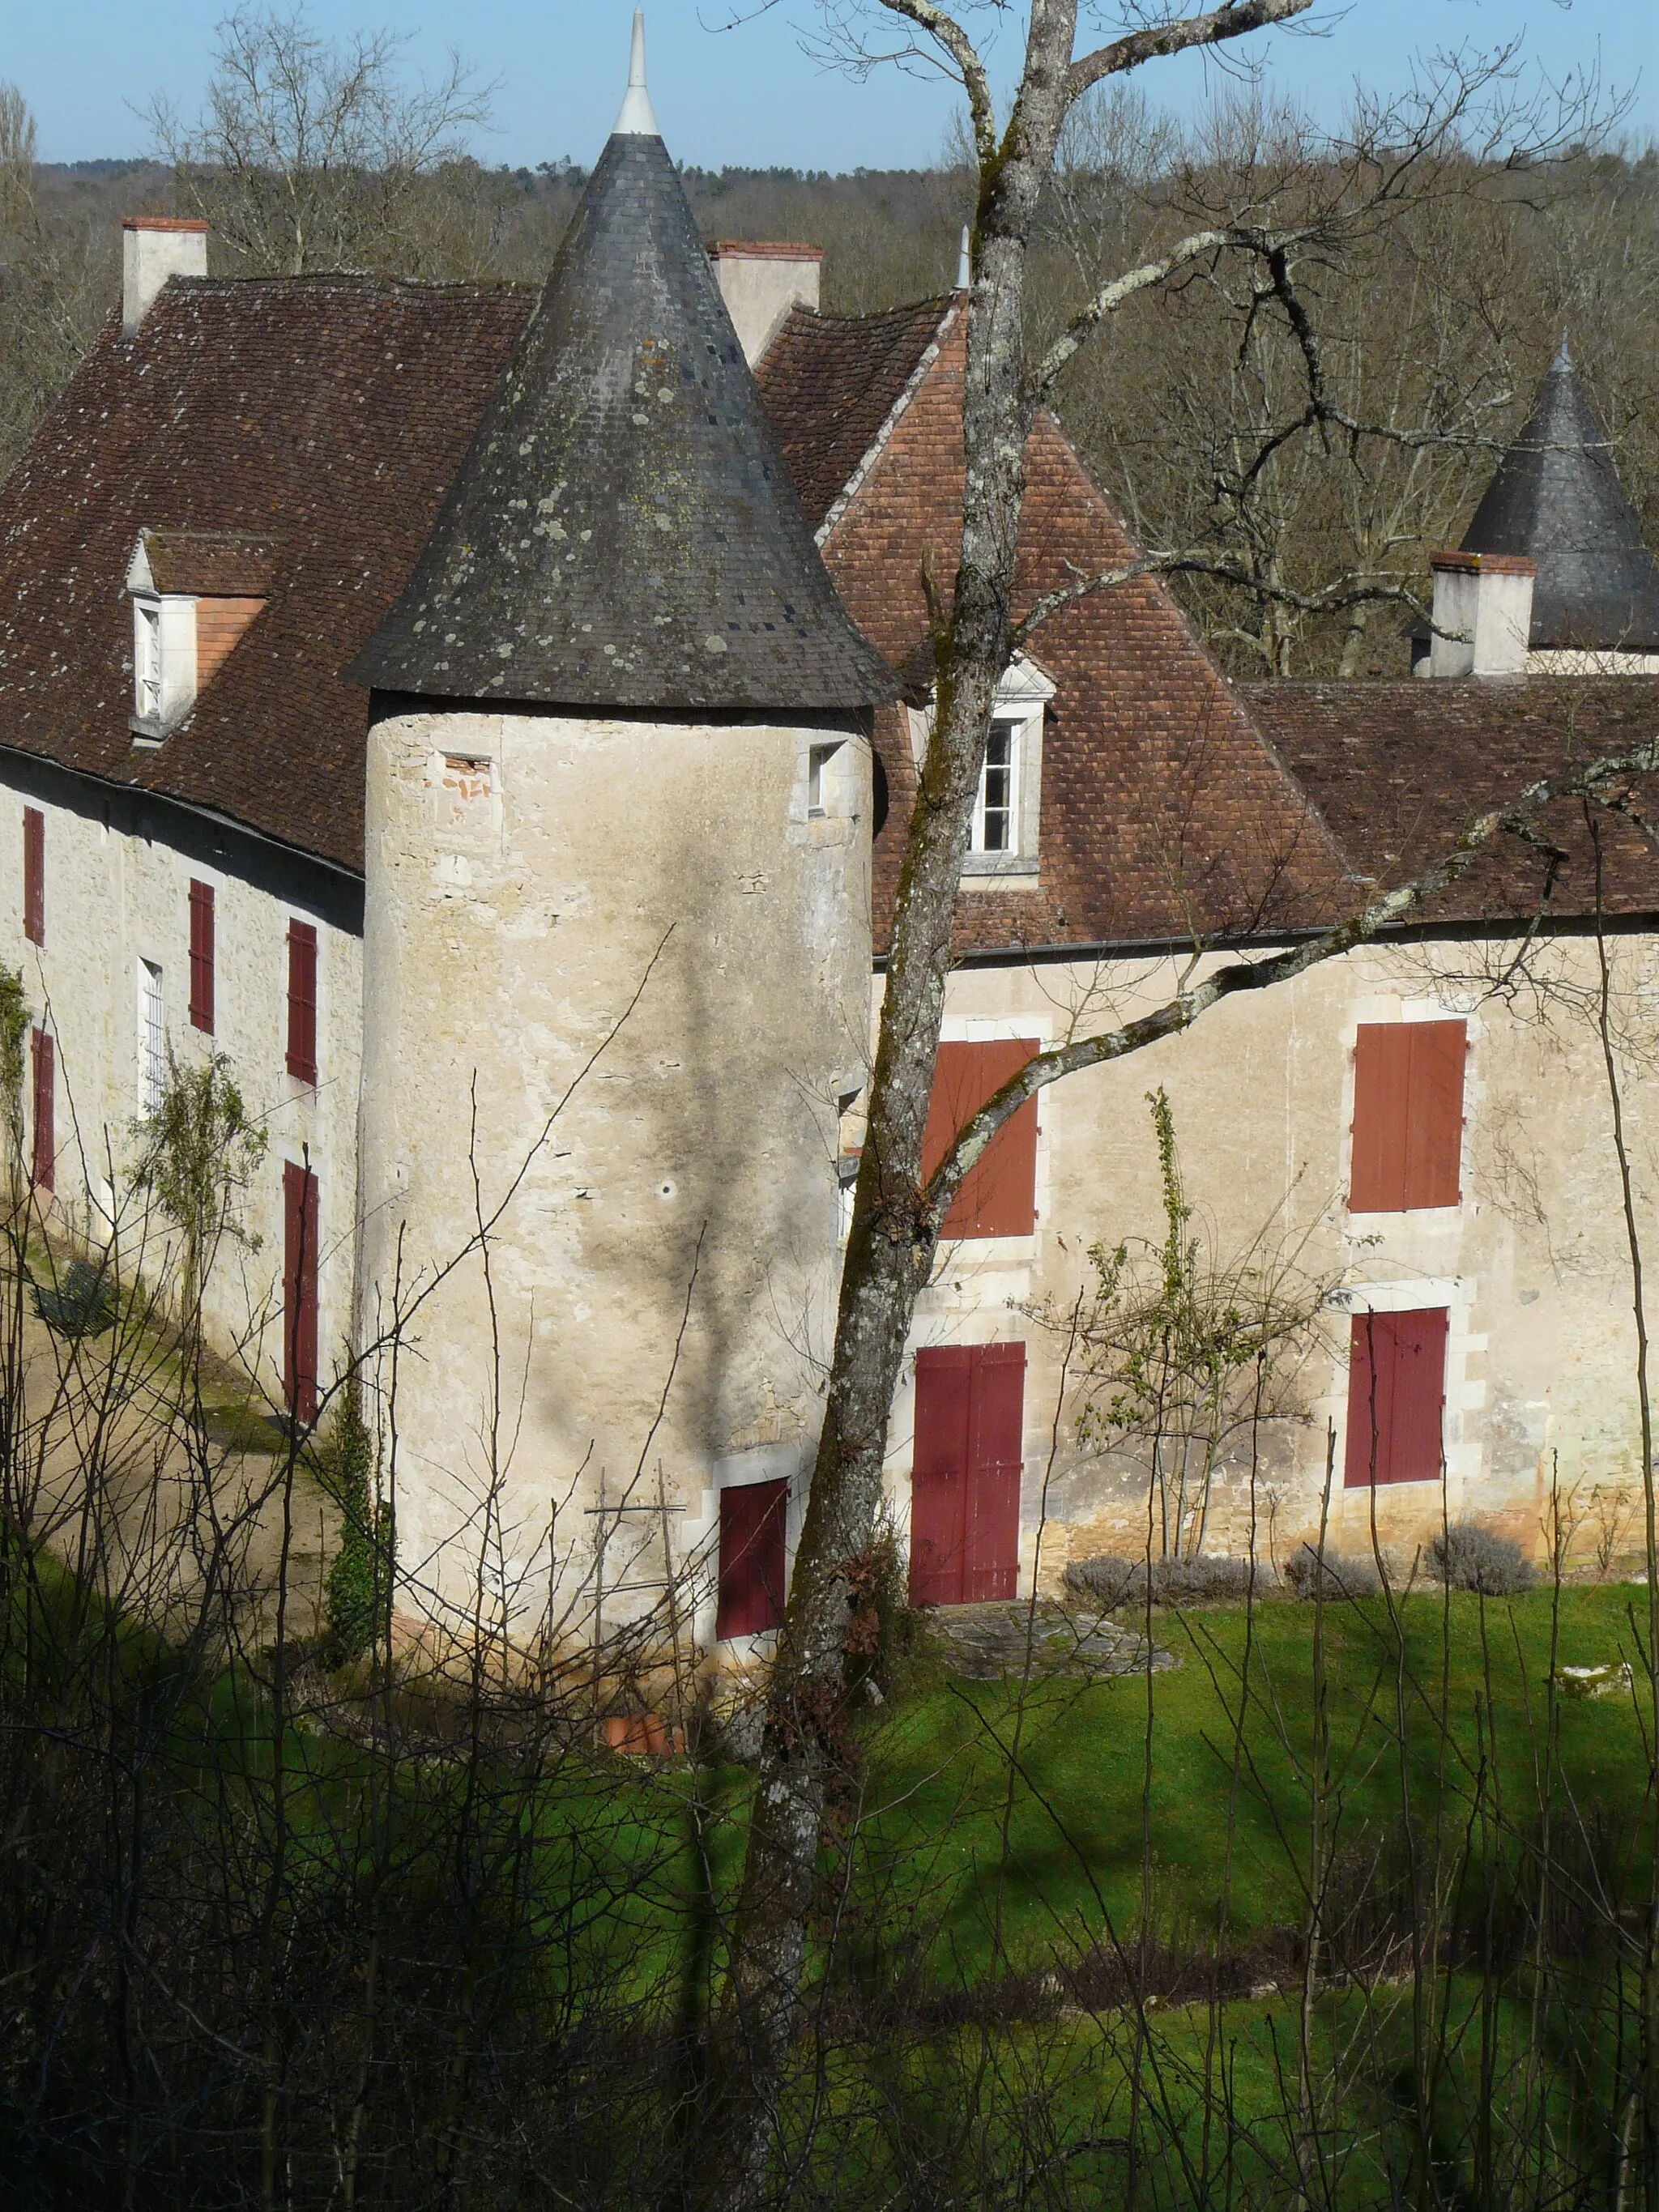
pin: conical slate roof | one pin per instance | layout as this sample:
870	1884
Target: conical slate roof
623	531
1557	500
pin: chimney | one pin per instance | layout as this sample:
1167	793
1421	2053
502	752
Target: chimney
1487	597
153	248
760	283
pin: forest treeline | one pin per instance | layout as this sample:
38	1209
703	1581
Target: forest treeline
1453	289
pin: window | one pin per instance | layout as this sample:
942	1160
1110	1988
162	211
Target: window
965	1483
43	1059
147	660
998	1198
299	1291
817	768
152	1037
34	875
302	1000
201	956
753	1569
1396	1396
996	821
1407	1116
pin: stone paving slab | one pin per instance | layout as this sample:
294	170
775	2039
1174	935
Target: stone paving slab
987	1643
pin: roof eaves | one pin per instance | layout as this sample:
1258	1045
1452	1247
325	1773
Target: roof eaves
855	483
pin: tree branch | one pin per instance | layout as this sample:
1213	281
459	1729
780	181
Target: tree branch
1180	1012
948	34
1159	39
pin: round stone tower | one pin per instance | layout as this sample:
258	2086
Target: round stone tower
617	957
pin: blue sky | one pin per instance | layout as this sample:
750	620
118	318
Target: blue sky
746	96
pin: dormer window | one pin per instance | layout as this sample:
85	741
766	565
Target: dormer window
194	592
1003	840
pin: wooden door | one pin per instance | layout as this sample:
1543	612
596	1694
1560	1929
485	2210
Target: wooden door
299	1291
965	1510
754	1559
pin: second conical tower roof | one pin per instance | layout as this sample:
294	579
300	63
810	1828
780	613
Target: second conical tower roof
1557	500
623	531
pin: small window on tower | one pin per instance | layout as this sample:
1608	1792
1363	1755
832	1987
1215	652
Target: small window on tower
831	786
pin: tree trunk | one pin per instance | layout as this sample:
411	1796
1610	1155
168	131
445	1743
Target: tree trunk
895	1231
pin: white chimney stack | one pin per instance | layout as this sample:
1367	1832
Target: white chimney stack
153	248
1486	600
760	283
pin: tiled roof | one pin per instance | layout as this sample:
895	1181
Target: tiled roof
1163	810
1397	770
328	415
211	564
1556	499
831	382
624	533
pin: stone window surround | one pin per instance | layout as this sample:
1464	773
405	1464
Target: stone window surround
1021	697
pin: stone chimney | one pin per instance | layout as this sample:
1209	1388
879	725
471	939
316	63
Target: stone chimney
760	283
1487	598
153	248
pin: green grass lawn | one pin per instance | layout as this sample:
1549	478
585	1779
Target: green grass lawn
1081	1781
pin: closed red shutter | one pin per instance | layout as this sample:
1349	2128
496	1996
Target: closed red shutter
43	1057
1434	1128
34	875
303	1001
299	1291
998	1197
1407	1116
938	1476
201	956
995	1440
754	1566
1396	1397
965	1472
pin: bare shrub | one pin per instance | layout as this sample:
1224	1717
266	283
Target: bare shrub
1468	1556
1331	1576
1110	1583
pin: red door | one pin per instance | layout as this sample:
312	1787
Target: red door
299	1291
964	1482
754	1561
1396	1397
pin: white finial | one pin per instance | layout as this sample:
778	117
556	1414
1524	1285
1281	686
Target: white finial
964	263
637	120
1563	359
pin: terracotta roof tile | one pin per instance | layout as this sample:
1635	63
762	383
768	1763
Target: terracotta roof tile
1398	769
328	415
831	382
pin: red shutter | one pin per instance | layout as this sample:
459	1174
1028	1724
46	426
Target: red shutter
299	1291
995	1440
201	956
1396	1397
998	1197
303	1001
1434	1128
753	1570
964	1482
938	1476
34	875
1407	1116
44	1057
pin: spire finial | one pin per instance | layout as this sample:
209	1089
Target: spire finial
637	120
1563	359
964	262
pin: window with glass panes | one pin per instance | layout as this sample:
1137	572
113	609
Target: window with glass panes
995	828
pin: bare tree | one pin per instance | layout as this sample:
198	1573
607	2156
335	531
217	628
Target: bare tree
976	629
313	154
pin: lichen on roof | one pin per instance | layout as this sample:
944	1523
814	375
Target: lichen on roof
624	531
